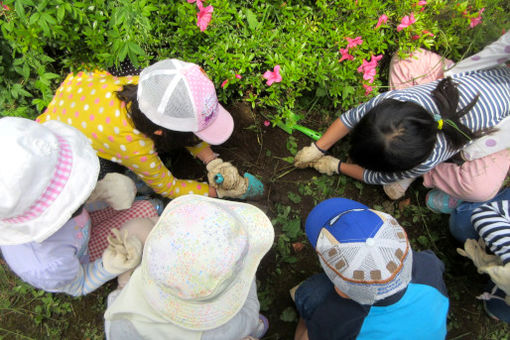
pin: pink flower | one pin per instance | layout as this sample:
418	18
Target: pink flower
369	68
267	123
345	55
238	76
421	3
406	22
415	37
353	42
225	82
382	20
273	77
476	21
368	89
191	1
204	15
425	32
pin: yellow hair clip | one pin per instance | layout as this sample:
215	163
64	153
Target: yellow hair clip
440	124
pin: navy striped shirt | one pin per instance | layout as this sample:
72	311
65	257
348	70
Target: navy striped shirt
493	105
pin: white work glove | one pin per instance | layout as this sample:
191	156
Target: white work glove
229	174
500	275
476	252
327	165
307	155
117	190
123	253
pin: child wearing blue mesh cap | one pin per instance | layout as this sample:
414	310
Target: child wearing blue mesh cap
373	286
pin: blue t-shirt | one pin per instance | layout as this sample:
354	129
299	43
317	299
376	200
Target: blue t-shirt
419	312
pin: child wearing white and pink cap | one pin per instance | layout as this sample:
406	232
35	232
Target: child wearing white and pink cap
131	119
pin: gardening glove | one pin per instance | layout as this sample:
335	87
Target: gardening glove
117	190
123	253
223	175
500	275
247	188
328	165
307	155
139	228
476	252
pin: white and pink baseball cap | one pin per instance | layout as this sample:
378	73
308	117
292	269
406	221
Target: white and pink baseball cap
179	96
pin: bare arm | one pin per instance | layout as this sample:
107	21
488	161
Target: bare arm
301	330
333	134
352	170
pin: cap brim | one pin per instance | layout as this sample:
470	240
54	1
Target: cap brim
220	130
324	212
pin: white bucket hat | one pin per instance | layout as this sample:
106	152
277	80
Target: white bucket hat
48	171
198	264
179	96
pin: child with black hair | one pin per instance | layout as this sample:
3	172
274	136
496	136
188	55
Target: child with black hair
130	119
403	134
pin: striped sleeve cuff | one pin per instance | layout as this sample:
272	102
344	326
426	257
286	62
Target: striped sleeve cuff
492	222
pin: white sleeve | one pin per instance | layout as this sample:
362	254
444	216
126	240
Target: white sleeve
492	55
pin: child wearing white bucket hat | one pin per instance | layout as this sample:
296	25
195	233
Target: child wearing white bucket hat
47	236
374	285
197	276
131	120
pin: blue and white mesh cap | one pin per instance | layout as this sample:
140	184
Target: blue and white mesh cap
365	253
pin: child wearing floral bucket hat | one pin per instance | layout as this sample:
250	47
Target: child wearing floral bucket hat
373	286
197	276
133	120
48	236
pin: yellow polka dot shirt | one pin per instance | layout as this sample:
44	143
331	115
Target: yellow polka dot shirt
87	101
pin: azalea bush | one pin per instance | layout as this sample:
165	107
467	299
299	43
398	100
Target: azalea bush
269	53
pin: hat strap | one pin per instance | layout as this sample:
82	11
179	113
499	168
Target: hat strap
57	184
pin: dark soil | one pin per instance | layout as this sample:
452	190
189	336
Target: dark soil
258	149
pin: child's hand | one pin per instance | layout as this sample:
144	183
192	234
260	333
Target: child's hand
327	165
229	175
117	190
123	253
500	275
476	252
307	155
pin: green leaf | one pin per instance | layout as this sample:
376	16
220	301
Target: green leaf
252	20
61	12
289	315
295	198
423	240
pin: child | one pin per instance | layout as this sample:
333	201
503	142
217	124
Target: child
403	134
131	119
491	223
197	276
47	236
374	285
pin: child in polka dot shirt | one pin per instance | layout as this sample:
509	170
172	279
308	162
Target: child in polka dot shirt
127	119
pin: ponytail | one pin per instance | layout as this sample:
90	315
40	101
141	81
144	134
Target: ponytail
446	97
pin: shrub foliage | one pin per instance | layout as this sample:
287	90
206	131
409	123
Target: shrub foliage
42	40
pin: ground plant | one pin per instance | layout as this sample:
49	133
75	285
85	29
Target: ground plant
273	62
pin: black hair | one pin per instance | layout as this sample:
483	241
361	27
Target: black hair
166	141
397	136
